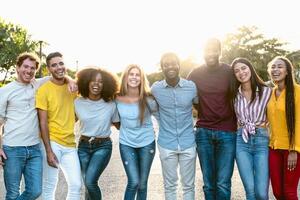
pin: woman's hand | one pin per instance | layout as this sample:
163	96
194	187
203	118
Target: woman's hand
292	160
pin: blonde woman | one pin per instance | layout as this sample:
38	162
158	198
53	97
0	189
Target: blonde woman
137	139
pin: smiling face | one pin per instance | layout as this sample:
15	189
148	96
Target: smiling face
26	71
170	68
134	78
278	71
95	87
212	52
57	68
242	72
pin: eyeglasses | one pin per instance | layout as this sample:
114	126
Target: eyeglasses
56	64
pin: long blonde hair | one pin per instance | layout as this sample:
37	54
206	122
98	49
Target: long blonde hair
144	89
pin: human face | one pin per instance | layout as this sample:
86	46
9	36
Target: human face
211	55
95	87
170	68
26	71
57	68
278	71
134	78
242	72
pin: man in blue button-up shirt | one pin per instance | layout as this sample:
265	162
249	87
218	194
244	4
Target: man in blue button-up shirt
176	142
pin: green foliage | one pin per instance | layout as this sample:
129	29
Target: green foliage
13	40
248	43
71	73
295	59
155	76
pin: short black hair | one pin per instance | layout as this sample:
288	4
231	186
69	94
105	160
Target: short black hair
53	55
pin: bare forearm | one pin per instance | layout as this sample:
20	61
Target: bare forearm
43	119
45	137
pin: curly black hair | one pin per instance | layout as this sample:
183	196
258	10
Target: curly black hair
110	82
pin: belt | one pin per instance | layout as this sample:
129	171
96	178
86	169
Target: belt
93	140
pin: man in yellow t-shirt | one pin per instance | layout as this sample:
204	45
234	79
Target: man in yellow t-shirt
57	118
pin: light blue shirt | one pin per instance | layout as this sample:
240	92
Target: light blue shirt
132	133
175	113
95	117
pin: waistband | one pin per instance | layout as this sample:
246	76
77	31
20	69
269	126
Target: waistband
93	140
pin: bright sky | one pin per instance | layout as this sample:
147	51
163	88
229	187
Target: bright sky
115	33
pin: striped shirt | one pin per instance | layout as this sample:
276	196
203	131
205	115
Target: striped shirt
251	115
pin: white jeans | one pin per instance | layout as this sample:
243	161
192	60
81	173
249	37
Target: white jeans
187	163
70	166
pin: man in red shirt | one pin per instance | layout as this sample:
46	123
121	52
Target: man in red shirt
216	124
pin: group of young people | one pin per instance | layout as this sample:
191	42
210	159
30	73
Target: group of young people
239	117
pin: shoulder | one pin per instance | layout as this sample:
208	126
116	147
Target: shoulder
45	86
187	83
8	87
195	72
79	100
157	85
297	87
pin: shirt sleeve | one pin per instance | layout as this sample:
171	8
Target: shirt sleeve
195	98
3	105
115	116
41	99
41	81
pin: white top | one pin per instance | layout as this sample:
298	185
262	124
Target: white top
17	110
95	117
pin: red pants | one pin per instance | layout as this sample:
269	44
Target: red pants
284	182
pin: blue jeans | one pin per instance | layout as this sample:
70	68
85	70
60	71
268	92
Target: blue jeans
93	160
137	163
26	161
252	162
216	152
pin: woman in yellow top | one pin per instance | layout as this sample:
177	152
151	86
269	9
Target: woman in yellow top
284	117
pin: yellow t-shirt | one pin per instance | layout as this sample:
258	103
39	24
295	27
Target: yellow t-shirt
59	104
276	115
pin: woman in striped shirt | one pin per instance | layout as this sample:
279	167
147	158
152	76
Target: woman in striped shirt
284	117
250	96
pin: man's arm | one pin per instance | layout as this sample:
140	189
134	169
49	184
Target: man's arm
2	154
72	85
43	119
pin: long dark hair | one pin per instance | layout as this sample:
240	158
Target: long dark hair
289	98
256	81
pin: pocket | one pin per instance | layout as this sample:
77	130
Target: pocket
262	132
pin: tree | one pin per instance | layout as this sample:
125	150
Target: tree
295	59
14	40
250	44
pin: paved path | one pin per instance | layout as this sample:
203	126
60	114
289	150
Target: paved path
113	180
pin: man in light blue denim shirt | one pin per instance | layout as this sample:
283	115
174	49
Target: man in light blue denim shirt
176	141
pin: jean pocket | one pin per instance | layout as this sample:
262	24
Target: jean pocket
262	132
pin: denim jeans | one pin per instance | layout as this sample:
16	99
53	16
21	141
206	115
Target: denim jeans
93	160
252	162
26	161
137	163
186	161
68	162
216	152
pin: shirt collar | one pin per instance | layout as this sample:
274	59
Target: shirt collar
179	84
